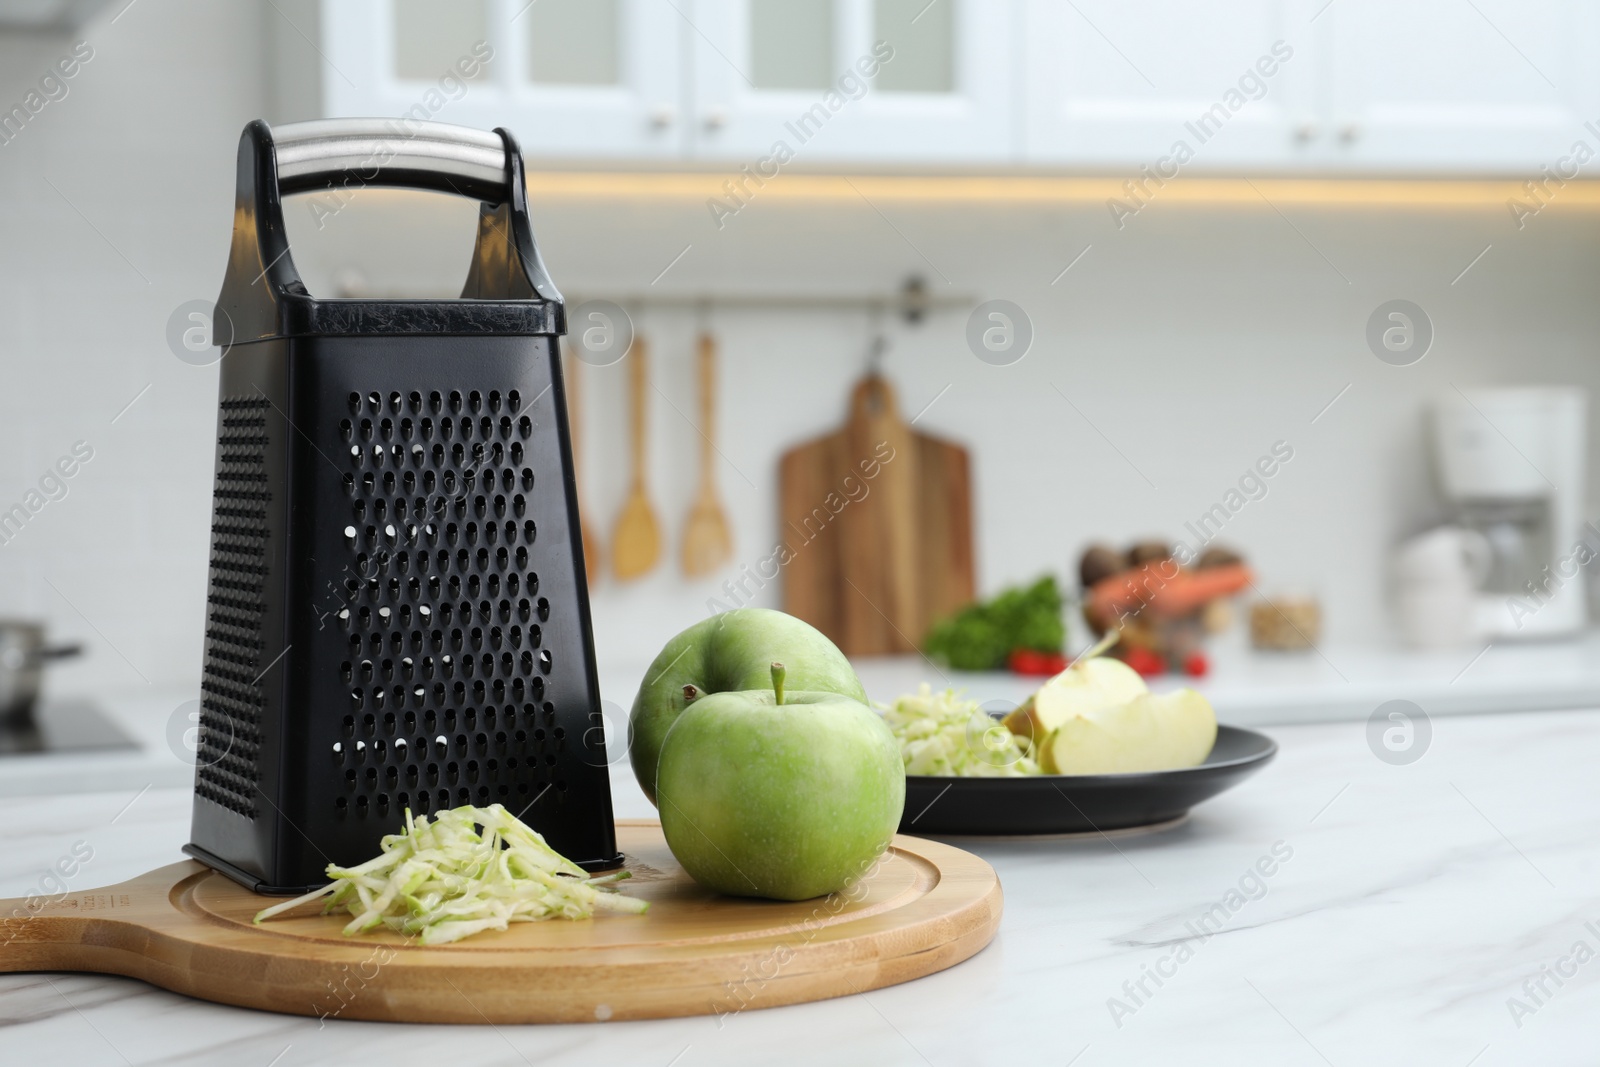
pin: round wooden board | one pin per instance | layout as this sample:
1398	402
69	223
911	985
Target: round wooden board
1085	836
926	906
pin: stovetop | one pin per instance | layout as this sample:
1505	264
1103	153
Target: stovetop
63	726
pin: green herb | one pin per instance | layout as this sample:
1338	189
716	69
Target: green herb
980	636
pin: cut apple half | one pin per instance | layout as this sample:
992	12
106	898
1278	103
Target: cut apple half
1088	687
1151	732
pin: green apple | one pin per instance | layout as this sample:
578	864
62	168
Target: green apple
1088	687
1151	732
729	652
784	795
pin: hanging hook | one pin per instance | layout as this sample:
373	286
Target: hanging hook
914	299
880	345
880	341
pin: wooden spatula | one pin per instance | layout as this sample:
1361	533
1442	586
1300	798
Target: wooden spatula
707	541
636	545
591	544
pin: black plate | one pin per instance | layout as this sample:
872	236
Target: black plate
1080	803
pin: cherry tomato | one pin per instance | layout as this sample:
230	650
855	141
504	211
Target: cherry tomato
1033	662
1144	661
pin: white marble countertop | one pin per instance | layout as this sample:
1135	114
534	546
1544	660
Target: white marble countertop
1250	688
1414	903
1339	682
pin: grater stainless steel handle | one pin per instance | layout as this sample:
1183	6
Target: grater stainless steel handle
429	155
397	614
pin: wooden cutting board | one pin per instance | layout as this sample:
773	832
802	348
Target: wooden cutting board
925	907
877	520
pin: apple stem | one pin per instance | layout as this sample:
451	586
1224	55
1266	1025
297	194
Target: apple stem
777	683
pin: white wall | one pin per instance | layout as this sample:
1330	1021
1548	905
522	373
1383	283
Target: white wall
1194	339
141	151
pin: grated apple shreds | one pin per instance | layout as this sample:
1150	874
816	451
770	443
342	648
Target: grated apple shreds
942	735
444	880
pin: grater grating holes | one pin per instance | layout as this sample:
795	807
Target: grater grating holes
231	697
446	673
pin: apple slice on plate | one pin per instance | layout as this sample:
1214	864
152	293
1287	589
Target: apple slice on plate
1099	717
1088	687
1151	732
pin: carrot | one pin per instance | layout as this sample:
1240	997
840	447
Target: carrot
1167	593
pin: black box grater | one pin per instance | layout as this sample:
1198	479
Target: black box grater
397	613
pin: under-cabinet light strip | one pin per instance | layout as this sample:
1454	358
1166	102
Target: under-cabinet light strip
1446	194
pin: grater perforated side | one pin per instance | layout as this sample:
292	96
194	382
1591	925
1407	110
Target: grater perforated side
231	695
446	661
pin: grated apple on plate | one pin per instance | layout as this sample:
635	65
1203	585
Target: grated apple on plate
945	735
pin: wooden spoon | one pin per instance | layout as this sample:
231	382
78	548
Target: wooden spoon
707	541
591	544
636	545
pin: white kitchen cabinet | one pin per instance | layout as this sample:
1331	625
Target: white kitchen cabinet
1452	86
1356	86
893	81
1113	85
571	78
1145	90
836	80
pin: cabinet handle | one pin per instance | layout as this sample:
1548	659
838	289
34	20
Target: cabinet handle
1350	132
1306	131
716	118
663	115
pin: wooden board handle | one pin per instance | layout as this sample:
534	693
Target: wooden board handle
78	931
873	398
23	929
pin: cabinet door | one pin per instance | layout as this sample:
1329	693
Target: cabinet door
1115	84
1442	85
574	78
853	80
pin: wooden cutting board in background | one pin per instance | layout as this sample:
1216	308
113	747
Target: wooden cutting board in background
877	519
